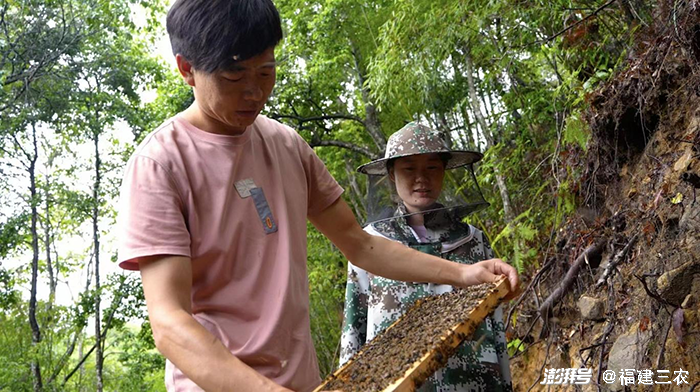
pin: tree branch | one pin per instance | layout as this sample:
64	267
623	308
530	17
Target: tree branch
347	145
532	284
103	334
64	357
302	120
592	14
568	281
615	261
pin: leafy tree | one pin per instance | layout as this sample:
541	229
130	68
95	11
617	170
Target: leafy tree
70	72
326	271
500	76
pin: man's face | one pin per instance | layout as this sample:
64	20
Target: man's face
418	180
232	99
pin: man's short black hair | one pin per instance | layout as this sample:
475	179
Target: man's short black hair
209	33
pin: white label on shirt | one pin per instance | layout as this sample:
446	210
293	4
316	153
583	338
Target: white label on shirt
244	186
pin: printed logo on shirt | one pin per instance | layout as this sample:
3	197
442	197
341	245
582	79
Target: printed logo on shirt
264	211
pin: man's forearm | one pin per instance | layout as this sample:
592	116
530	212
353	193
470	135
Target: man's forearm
395	261
203	358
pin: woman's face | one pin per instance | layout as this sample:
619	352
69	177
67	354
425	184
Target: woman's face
418	180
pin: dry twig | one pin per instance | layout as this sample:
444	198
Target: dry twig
660	357
616	261
657	297
517	348
608	329
530	286
568	281
544	363
601	342
653	294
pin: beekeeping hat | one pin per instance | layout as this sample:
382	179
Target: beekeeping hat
460	194
414	139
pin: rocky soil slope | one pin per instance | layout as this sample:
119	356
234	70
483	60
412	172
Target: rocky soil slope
639	192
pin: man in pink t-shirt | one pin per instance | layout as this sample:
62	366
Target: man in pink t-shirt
213	213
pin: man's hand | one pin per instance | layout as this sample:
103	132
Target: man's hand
488	271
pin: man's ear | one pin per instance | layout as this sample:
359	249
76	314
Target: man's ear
185	69
391	174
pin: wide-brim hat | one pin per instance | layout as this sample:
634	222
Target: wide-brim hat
416	139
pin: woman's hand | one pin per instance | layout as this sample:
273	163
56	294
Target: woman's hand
488	271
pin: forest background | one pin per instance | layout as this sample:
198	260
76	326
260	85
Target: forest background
80	87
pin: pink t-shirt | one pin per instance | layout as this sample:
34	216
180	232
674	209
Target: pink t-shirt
237	206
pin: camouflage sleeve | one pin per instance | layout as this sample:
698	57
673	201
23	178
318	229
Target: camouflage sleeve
501	345
499	327
354	332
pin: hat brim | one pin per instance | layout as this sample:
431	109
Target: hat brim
458	158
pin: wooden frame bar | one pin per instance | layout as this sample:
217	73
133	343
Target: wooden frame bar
453	337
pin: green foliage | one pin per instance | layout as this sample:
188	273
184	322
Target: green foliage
515	346
9	296
326	271
71	74
14	348
173	96
575	131
139	365
351	73
13	234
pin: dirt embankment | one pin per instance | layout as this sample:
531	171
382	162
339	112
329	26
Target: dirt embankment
640	197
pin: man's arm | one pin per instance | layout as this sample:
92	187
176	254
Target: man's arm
393	260
167	285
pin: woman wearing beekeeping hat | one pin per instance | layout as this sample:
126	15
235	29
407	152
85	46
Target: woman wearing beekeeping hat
419	195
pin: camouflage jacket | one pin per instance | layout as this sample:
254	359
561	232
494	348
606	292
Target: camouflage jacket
373	303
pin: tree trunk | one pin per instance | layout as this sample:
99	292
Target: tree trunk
467	136
81	367
356	193
503	190
516	83
467	132
444	126
371	119
53	277
36	332
476	109
99	355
